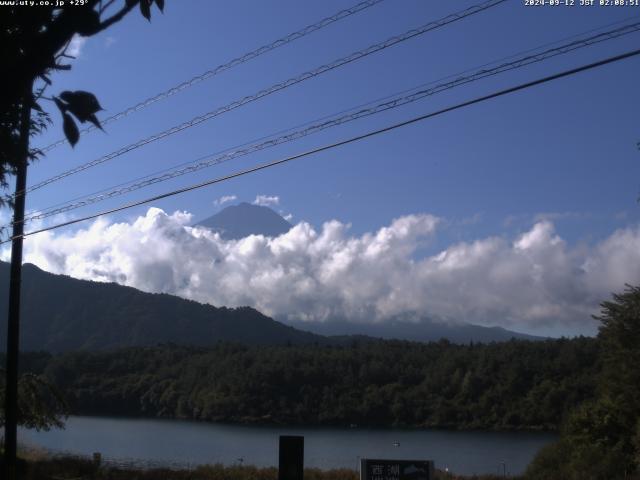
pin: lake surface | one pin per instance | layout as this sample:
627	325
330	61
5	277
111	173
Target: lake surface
178	443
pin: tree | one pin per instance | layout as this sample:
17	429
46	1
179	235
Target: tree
33	43
620	337
620	378
601	439
41	405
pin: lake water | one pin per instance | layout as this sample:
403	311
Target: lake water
177	443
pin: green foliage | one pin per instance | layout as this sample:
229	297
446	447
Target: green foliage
563	461
619	383
601	438
511	385
40	405
551	463
620	338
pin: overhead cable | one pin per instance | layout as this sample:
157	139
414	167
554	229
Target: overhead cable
346	110
340	143
217	158
226	66
273	89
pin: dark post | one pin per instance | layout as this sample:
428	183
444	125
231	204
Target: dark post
13	324
291	458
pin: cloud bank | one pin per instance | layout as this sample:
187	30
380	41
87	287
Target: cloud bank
532	282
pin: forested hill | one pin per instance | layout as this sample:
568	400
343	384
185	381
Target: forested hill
60	313
510	385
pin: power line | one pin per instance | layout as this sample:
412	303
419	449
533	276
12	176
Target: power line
217	158
227	66
340	143
325	117
275	88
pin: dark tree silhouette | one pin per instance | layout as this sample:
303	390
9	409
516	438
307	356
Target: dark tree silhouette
33	44
601	438
499	386
42	407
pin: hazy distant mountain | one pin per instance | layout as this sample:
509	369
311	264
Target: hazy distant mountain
61	313
239	221
424	330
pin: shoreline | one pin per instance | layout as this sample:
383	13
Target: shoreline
261	423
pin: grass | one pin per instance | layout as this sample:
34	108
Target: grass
39	467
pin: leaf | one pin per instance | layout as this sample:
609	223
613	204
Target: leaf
160	4
70	129
66	95
87	99
145	9
61	106
82	104
93	119
34	153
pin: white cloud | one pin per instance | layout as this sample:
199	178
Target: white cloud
75	46
266	200
534	281
288	217
224	199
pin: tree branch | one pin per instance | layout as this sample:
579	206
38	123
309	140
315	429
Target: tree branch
106	6
62	52
118	16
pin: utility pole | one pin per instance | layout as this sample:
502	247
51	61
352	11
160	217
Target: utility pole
13	324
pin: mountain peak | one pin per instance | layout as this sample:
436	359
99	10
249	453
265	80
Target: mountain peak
244	219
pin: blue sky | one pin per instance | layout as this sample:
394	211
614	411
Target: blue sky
565	152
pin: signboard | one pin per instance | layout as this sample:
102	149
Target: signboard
371	469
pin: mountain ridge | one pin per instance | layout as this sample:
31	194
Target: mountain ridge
420	330
61	313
